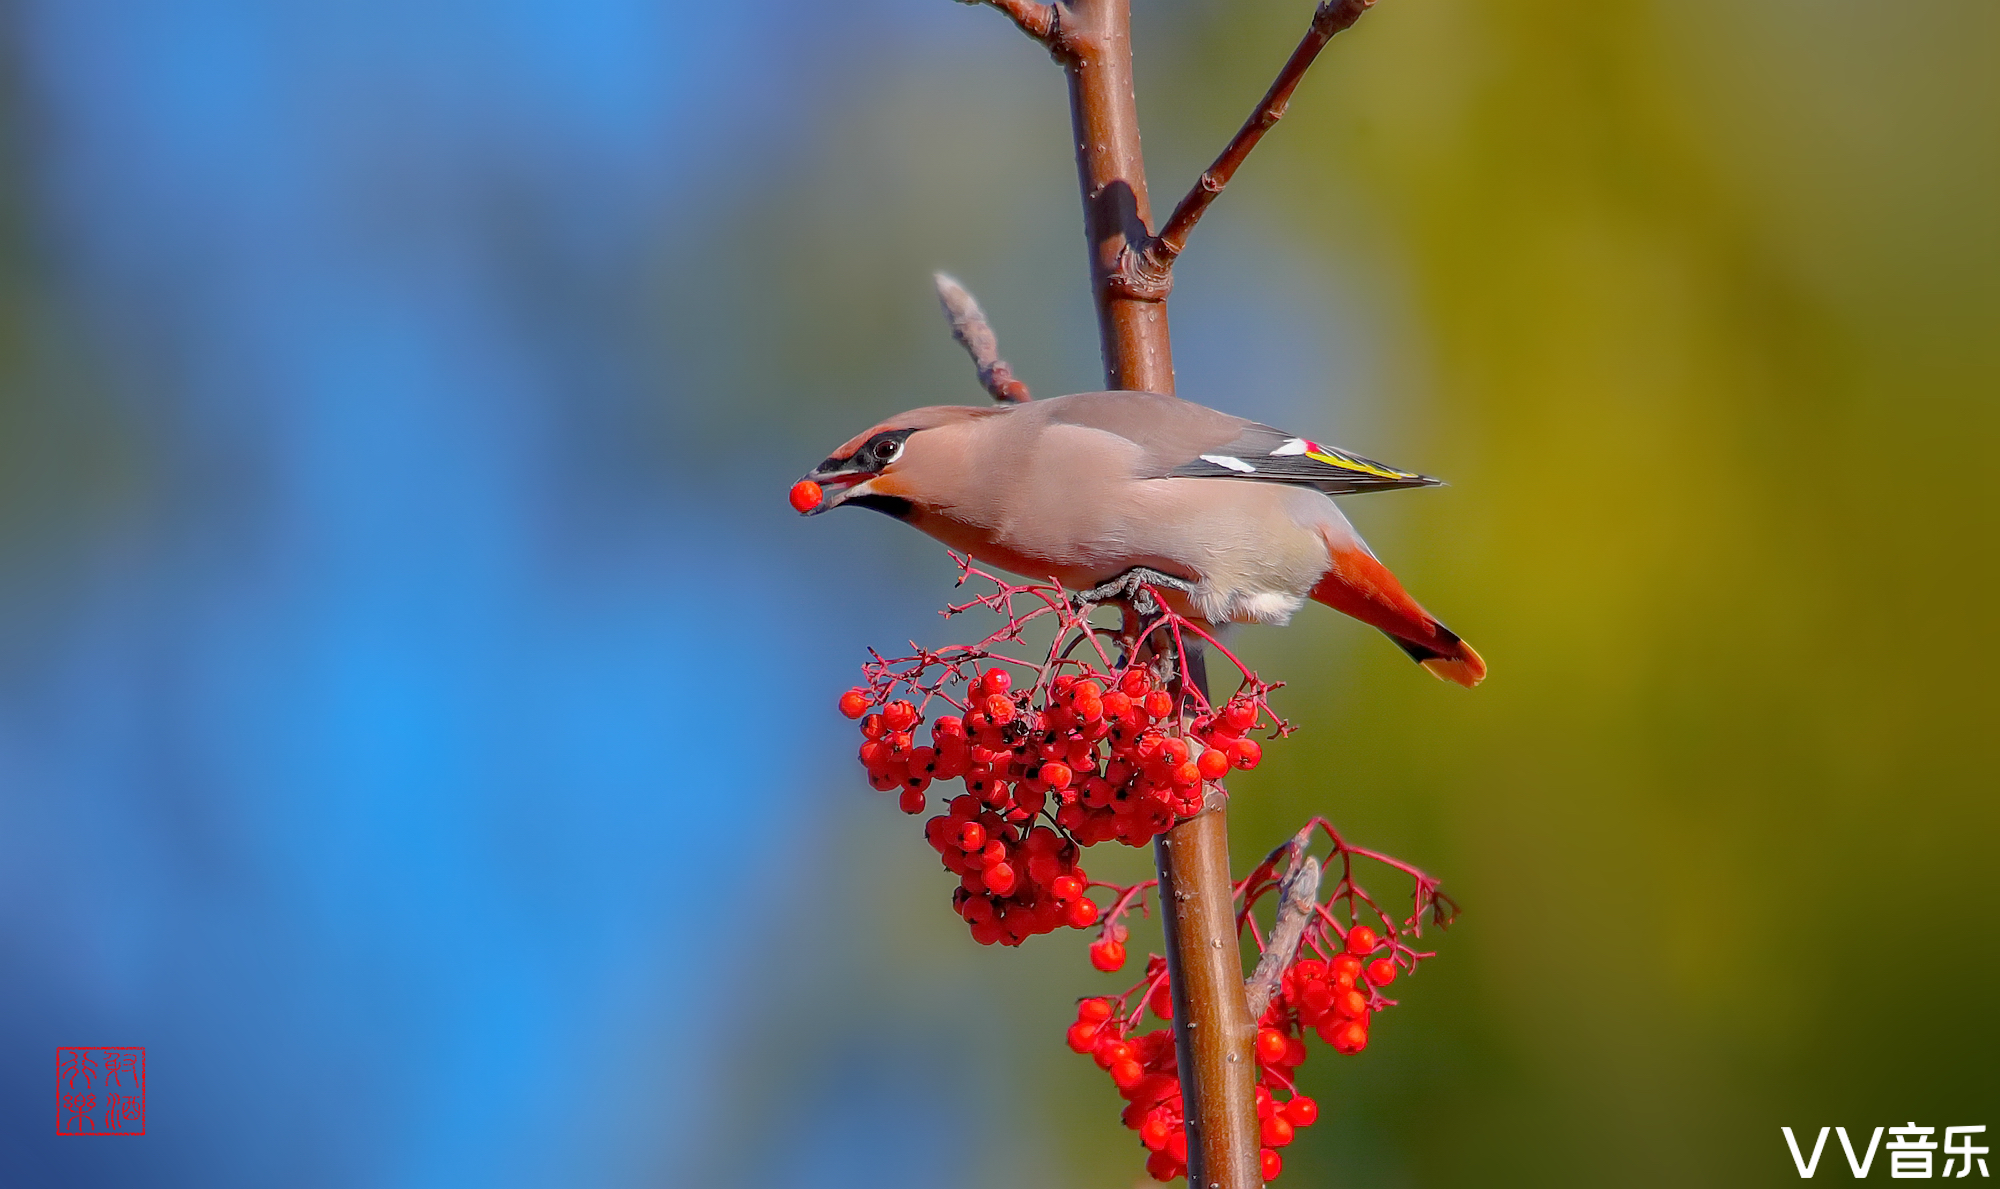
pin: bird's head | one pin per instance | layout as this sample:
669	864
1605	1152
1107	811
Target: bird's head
891	466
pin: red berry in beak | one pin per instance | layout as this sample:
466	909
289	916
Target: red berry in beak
806	495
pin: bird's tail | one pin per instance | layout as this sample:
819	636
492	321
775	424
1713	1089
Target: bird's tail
1360	586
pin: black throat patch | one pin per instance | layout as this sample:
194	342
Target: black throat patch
888	505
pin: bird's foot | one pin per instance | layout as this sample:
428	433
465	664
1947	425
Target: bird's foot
1132	587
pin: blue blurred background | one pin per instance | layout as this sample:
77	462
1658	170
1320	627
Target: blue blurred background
415	697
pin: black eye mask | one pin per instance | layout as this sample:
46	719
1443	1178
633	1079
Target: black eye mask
874	454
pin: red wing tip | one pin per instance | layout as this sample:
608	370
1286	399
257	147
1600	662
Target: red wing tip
1466	669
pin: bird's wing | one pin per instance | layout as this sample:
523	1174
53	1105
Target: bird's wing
1261	452
1183	440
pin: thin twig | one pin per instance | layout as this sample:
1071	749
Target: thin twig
1298	897
973	332
1036	20
1159	254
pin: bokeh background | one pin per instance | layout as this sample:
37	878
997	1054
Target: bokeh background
416	698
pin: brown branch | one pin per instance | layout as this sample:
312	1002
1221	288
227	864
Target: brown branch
970	327
1150	270
1298	897
1036	20
1214	1031
1214	1036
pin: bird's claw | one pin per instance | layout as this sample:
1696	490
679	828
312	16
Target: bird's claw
1135	586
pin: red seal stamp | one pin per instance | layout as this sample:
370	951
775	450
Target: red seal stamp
100	1091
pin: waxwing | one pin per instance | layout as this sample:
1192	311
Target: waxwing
1234	521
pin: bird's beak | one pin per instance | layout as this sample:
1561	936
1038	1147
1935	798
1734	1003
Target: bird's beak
838	486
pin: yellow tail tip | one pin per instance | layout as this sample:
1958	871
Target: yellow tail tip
1466	669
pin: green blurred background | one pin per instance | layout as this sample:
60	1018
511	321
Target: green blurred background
1696	306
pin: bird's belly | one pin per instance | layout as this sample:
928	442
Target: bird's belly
1253	559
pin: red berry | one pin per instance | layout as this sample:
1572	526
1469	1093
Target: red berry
1107	955
1275	1131
1362	940
899	716
996	681
1056	776
854	703
1302	1111
1213	765
1239	717
1159	703
1081	913
1081	1037
971	836
1352	1004
912	800
1381	972
806	495
1245	753
1270	1045
1093	1010
1000	879
1066	887
1270	1164
1177	1143
1162	1167
1126	1074
1162	1002
1153	1133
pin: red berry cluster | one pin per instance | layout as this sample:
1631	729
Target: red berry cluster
1335	999
1082	753
1110	753
1144	1069
1332	990
1012	884
1098	758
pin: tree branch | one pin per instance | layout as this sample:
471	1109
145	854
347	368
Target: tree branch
1298	896
1036	20
1214	1037
1151	269
975	334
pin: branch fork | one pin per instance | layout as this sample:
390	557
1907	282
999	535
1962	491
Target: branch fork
1144	270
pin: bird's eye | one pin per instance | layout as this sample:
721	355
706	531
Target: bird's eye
888	450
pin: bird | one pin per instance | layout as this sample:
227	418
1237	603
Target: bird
1233	521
